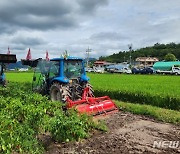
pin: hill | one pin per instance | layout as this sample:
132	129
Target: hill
157	50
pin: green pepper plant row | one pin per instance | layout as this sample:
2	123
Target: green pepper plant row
25	115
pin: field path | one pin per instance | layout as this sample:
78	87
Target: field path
127	133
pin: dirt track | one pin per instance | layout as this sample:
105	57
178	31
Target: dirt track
127	133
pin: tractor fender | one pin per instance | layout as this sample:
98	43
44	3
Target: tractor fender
84	78
60	79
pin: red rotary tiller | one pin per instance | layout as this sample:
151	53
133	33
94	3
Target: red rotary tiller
91	105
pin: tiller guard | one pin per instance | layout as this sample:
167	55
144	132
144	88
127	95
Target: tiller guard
91	105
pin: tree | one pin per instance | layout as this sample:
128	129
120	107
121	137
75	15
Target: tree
158	50
170	57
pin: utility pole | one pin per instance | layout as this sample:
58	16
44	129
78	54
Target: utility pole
8	51
88	51
130	50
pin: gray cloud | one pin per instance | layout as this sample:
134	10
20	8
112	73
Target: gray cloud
37	14
5	28
27	41
45	14
90	6
112	36
106	26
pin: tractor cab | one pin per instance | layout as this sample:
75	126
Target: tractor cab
69	71
73	68
70	68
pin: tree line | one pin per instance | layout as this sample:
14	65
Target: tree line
157	50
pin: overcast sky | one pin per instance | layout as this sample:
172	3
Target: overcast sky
106	26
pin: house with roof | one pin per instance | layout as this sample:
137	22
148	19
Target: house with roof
146	61
99	63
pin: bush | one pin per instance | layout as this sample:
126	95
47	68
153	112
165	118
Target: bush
71	127
24	115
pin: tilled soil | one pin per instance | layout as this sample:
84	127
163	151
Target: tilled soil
128	133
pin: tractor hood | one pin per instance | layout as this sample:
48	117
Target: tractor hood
60	79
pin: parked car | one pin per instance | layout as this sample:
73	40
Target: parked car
110	70
146	70
123	70
126	70
136	70
23	69
98	69
89	69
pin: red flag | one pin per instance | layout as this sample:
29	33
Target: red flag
28	57
8	51
47	56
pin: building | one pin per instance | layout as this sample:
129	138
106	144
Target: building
102	63
146	61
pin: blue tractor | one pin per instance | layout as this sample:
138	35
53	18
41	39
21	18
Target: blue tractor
60	77
65	80
5	59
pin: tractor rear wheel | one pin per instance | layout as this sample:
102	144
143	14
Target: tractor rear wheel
59	92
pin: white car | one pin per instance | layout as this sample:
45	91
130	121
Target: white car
23	69
89	70
98	69
126	70
123	70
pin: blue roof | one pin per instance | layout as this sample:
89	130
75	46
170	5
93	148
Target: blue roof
118	66
68	58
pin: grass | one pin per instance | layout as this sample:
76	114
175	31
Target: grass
154	90
19	77
152	84
161	114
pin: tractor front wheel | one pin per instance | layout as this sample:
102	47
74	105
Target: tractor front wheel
59	92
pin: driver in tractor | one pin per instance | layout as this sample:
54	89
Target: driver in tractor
72	69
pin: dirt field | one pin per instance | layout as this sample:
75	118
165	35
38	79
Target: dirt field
127	133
